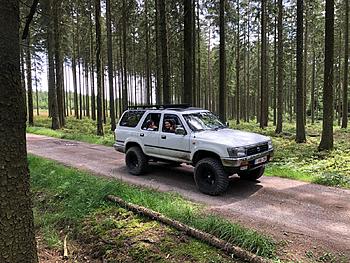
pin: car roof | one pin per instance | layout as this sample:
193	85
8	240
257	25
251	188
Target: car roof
171	110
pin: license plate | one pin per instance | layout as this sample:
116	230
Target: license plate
260	160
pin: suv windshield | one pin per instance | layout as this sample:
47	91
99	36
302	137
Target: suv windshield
203	121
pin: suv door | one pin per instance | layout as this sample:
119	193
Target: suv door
150	133
171	144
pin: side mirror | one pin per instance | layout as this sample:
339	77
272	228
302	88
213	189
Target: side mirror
180	131
227	124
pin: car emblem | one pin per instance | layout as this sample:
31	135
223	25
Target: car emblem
258	149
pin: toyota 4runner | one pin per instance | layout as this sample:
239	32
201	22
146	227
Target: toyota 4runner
182	134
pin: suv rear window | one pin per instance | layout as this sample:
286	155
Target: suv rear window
131	118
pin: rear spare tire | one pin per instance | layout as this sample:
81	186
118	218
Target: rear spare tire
136	161
211	177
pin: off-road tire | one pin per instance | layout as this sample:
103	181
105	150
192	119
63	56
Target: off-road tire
211	177
136	161
252	175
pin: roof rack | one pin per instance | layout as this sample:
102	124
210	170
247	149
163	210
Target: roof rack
161	106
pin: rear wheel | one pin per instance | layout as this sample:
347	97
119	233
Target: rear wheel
252	175
136	161
211	177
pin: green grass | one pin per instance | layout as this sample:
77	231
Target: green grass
65	196
303	161
75	129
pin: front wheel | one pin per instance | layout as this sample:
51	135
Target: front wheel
211	177
252	175
136	161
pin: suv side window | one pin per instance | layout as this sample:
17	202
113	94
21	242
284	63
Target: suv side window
170	123
151	122
131	118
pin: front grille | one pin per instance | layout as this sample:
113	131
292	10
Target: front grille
257	149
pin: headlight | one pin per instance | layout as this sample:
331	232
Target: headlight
270	145
237	152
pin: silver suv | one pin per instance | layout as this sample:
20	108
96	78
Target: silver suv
181	134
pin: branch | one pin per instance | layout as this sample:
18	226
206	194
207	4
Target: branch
208	238
30	18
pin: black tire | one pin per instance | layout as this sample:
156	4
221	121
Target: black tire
211	177
136	161
252	175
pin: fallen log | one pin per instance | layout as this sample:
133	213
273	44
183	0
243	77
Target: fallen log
200	235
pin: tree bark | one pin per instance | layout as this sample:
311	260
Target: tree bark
345	104
29	80
238	67
17	233
222	59
328	95
125	78
279	124
110	64
300	124
263	92
58	62
98	66
148	71
52	83
188	51
164	51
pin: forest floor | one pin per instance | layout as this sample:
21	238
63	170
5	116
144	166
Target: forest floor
99	231
295	161
307	221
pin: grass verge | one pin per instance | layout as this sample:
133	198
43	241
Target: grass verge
68	196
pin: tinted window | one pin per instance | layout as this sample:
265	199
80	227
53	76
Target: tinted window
131	118
151	122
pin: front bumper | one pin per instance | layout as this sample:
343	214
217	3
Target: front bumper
246	161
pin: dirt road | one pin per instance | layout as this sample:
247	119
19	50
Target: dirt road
303	217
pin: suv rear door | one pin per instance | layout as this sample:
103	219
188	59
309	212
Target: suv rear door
171	144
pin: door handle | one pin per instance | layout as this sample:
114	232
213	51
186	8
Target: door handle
163	137
142	135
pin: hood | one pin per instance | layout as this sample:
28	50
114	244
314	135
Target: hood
230	137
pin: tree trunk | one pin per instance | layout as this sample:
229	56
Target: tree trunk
164	51
263	92
29	81
110	64
17	233
222	59
275	67
345	106
280	69
313	85
328	96
125	78
58	62
92	71
188	51
158	56
238	67
52	88
199	82
300	124
98	66
148	72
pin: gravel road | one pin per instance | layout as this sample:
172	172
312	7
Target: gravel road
301	216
